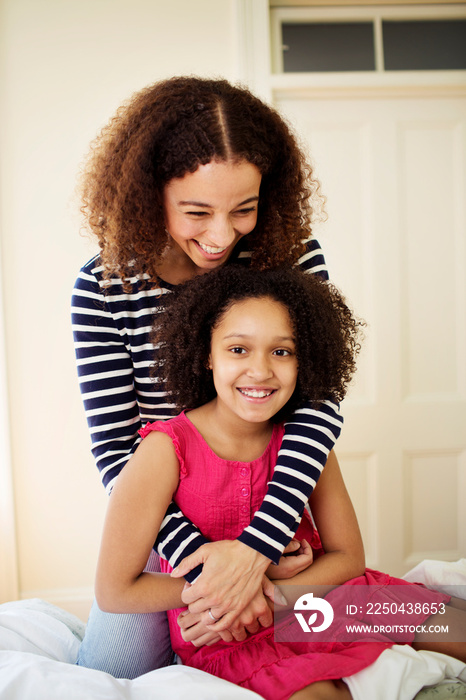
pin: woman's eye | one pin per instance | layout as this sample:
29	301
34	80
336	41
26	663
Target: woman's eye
197	213
245	212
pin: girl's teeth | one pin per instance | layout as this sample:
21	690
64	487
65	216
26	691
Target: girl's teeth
210	249
256	394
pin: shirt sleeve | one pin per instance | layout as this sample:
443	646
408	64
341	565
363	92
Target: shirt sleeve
106	378
105	373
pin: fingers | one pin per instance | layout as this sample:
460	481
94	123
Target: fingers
190	562
203	605
199	599
266	620
273	592
192	630
292	546
308	550
226	635
206	639
223	623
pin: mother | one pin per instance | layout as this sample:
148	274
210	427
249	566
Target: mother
190	174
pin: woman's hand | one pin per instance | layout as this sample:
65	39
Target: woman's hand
259	613
193	630
296	558
233	575
199	628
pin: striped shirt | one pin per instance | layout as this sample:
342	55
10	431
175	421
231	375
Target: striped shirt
111	329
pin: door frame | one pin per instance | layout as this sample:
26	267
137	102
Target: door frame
9	589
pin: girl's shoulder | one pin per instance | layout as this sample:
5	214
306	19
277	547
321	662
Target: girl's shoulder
178	430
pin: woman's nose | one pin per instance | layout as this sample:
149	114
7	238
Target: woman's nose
221	233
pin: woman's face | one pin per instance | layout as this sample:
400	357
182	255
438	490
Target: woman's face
253	360
208	211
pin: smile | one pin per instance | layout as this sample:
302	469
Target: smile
210	250
256	393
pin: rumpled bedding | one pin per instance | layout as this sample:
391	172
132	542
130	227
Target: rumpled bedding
38	648
400	673
39	645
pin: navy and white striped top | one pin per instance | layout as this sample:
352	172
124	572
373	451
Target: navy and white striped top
111	331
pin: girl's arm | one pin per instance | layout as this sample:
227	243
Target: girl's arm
135	510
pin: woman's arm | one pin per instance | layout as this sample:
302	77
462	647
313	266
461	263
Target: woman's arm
339	532
309	437
113	357
135	510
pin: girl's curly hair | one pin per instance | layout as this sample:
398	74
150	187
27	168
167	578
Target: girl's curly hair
171	128
326	333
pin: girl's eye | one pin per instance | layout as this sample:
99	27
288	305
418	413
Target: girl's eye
237	350
196	213
282	352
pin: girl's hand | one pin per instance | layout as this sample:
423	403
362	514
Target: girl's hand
195	631
300	556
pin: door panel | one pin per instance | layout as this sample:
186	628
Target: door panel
393	171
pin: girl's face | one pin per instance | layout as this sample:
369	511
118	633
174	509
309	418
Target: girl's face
253	359
208	211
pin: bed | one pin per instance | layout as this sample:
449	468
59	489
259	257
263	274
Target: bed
39	644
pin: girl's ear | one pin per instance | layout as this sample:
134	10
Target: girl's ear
208	364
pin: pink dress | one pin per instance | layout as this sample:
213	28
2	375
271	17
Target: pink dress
220	496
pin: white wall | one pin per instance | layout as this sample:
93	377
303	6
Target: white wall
66	65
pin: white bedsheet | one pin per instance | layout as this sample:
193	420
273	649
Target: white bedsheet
400	672
38	648
39	645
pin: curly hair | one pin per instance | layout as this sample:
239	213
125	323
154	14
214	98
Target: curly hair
326	333
168	130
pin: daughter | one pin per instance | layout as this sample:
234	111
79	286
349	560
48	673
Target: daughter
240	351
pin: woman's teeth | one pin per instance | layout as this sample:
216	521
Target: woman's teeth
210	249
254	394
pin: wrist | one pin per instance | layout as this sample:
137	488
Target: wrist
257	560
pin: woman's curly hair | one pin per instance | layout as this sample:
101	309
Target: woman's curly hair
326	333
168	130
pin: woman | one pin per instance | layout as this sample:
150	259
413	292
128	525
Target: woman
190	175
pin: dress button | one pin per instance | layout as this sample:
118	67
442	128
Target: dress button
244	471
244	491
244	509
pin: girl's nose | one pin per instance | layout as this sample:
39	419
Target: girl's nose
259	368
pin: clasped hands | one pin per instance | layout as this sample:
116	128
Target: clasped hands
236	587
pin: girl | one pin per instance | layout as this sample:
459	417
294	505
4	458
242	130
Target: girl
190	175
246	349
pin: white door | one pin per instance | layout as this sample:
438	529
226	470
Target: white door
393	171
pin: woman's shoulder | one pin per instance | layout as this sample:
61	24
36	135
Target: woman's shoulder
171	426
138	290
313	259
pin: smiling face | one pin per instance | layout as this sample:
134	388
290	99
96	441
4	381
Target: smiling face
207	212
253	360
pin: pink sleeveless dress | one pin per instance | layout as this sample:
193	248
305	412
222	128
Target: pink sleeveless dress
220	496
